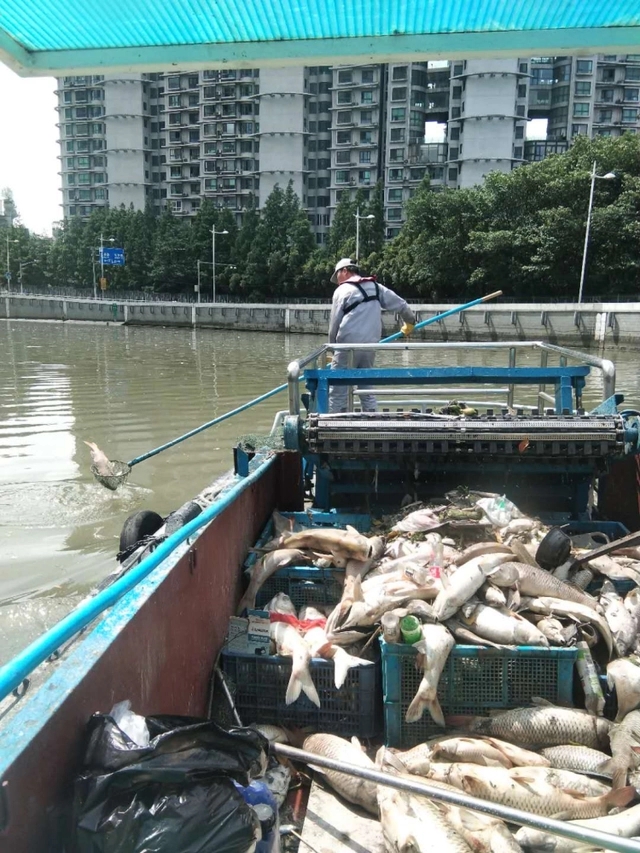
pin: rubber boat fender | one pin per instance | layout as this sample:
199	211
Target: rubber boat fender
554	549
179	517
137	527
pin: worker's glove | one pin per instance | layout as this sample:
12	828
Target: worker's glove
407	328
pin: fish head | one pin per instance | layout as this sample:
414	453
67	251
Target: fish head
92	445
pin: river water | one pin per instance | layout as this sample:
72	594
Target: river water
129	390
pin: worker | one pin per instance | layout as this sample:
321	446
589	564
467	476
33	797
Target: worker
356	318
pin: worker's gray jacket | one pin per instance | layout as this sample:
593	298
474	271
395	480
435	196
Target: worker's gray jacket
362	324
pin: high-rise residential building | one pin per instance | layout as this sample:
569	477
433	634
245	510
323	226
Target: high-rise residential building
176	138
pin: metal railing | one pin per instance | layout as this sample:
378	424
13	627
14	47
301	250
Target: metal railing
319	359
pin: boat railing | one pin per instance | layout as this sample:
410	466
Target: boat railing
432	392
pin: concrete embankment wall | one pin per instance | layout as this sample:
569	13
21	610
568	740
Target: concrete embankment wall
564	323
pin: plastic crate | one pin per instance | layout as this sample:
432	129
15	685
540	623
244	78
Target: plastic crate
260	684
475	680
303	585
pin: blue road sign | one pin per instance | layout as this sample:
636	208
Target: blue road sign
115	257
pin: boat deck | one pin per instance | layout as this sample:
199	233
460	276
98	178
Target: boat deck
333	826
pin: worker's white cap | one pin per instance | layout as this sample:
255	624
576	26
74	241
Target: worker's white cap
342	263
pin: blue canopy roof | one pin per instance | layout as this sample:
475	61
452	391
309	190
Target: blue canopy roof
40	37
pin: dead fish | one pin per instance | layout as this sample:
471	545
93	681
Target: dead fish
525	788
632	604
537	582
624	738
264	568
458	587
501	626
623	625
523	555
569	780
100	461
342	543
572	610
465	635
416	760
538	727
489	752
625	824
320	646
274	734
480	549
517	526
355	790
579	759
493	595
435	646
624	675
358	569
413	824
483	833
289	643
553	630
420	519
366	609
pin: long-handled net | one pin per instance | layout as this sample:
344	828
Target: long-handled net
117	477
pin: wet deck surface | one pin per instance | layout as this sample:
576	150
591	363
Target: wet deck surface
333	826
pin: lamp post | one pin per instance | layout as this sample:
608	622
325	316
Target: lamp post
23	264
112	241
358	218
213	257
594	177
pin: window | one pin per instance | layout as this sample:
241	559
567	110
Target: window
394	194
606	95
323	183
520	132
366	137
342	176
324	126
70	162
396	155
579	129
367	75
71	179
399	93
343	137
629	114
417	174
581	109
364	176
366	117
81	112
604	116
522	91
246	146
81	97
610	57
560	94
208	129
324	164
517	152
523	68
344	77
454	134
397	134
365	156
453	174
173	83
633	57
82	145
323	88
366	97
174	119
631	94
399	72
541	76
398	114
67	97
84	178
584	66
174	136
453	153
228	128
97	128
312	145
344	117
396	174
632	73
394	214
194	136
324	106
343	157
176	171
344	97
313	107
609	75
324	144
174	101
582	87
70	146
458	70
82	130
84	195
192	81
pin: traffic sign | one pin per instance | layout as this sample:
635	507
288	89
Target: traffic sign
7	275
114	257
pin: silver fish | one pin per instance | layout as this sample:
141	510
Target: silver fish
553	630
492	595
435	646
535	581
624	675
274	734
579	612
358	569
264	568
625	739
465	635
579	759
480	549
543	726
100	460
483	834
501	626
289	643
320	646
490	752
569	780
623	625
632	605
355	790
343	543
413	824
625	825
458	587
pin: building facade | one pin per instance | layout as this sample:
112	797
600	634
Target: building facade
175	139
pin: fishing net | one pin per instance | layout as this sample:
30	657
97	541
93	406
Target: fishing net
111	481
253	442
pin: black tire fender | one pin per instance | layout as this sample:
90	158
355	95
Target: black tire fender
554	549
138	526
179	517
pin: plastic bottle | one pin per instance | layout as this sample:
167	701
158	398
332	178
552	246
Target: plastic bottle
418	574
258	795
410	628
594	697
390	627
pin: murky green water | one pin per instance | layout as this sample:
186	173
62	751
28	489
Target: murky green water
129	390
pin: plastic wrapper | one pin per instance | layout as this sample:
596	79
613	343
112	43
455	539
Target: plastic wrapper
499	510
176	795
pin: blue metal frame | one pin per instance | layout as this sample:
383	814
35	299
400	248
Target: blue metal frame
567	381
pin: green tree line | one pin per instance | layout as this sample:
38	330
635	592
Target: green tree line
522	232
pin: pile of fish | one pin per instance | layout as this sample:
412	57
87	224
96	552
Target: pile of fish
472	569
547	761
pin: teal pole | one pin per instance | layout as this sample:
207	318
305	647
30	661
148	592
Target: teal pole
444	314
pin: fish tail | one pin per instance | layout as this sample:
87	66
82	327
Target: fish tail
618	770
343	662
247	602
425	698
620	797
304	683
294	689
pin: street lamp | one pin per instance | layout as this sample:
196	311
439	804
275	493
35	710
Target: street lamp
213	257
112	241
23	264
609	176
358	218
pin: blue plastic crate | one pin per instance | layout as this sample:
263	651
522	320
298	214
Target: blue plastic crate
304	585
260	684
475	680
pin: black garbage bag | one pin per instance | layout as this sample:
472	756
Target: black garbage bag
175	795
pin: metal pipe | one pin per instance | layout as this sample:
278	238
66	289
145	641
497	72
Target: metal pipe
512	364
556	827
16	670
430	390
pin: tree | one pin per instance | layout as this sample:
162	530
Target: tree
169	273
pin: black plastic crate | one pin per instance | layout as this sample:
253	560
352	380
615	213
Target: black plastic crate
260	684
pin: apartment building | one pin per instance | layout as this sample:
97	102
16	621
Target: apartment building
175	139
